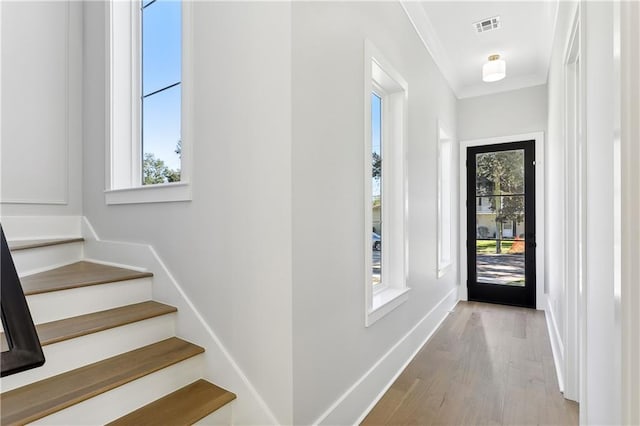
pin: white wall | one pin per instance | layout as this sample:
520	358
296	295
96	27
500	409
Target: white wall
602	364
630	153
502	114
555	215
601	372
333	351
229	248
40	120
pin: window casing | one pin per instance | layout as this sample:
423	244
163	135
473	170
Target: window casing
383	82
445	157
126	94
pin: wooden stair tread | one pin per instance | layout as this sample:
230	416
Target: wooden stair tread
39	399
69	328
79	274
182	407
45	242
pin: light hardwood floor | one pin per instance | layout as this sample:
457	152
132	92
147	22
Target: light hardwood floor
486	365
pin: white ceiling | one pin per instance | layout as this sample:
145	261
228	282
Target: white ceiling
524	41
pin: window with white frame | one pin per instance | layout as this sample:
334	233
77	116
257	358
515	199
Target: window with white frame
160	90
385	186
376	186
445	146
148	143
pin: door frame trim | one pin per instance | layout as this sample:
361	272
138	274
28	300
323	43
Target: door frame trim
538	137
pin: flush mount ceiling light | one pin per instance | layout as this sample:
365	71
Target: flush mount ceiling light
494	70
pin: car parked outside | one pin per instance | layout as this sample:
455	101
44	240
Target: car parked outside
377	241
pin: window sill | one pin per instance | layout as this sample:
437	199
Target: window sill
159	193
385	301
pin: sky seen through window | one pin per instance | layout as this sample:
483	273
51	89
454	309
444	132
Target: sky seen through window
161	68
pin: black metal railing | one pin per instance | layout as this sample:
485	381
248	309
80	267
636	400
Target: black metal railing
24	349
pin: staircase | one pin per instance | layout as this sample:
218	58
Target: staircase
112	356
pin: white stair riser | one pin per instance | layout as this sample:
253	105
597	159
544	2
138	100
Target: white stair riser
122	400
33	227
75	353
55	305
222	416
34	260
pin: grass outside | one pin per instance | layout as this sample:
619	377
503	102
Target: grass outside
489	247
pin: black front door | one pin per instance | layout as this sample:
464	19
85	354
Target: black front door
501	225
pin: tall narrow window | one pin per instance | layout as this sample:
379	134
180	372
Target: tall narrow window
376	188
150	92
444	201
385	215
160	97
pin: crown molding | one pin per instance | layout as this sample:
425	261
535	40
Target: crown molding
506	85
425	30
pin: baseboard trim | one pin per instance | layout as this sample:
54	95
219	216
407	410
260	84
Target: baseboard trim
364	393
220	366
557	348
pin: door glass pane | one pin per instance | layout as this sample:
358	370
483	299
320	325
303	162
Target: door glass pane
376	188
499	173
500	218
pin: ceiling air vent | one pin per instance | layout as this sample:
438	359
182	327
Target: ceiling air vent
487	24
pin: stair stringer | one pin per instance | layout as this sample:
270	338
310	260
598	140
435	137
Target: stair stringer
219	366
